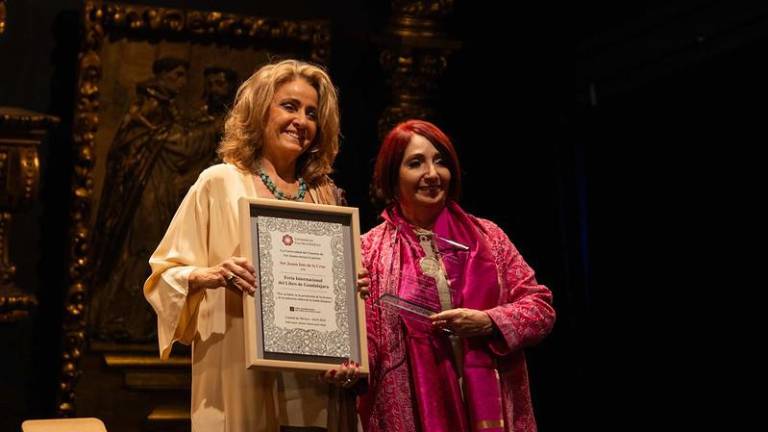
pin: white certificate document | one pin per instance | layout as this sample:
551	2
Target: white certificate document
302	266
303	286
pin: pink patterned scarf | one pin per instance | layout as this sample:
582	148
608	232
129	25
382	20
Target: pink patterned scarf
472	277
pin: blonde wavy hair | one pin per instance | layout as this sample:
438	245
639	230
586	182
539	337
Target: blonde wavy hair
244	128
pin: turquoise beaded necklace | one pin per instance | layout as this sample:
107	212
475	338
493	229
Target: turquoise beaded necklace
280	194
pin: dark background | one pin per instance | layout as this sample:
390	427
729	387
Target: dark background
615	144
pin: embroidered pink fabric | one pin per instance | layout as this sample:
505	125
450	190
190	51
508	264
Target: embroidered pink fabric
523	317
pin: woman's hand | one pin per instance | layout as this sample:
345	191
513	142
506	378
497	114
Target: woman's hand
344	376
234	272
463	322
363	283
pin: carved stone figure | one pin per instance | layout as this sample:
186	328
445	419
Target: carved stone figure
154	158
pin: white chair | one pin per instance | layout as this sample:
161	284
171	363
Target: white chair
85	424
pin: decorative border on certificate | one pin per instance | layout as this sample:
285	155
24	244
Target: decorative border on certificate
307	282
306	313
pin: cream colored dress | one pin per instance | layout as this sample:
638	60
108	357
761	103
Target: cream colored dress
225	395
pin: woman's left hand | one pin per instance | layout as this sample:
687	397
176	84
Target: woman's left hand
363	283
344	376
463	322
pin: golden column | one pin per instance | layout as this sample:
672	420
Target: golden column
415	53
2	16
21	133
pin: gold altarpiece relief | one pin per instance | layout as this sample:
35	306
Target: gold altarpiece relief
152	92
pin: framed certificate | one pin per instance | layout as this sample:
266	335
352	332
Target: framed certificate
306	313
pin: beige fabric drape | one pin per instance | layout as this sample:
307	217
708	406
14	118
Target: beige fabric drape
225	395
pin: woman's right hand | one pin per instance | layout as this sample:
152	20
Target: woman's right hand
233	272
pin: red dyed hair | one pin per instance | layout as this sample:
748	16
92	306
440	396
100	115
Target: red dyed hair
386	171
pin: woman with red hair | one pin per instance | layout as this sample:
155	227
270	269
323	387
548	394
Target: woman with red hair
452	302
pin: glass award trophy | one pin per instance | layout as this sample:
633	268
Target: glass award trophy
426	289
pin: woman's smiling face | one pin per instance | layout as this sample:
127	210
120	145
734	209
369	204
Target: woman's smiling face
292	119
424	177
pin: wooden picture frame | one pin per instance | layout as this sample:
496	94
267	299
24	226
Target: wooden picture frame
306	314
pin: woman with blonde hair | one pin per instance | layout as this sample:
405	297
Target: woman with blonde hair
280	141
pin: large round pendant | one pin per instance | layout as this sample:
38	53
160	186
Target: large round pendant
430	266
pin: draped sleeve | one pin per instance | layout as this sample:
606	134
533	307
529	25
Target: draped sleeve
183	248
524	315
